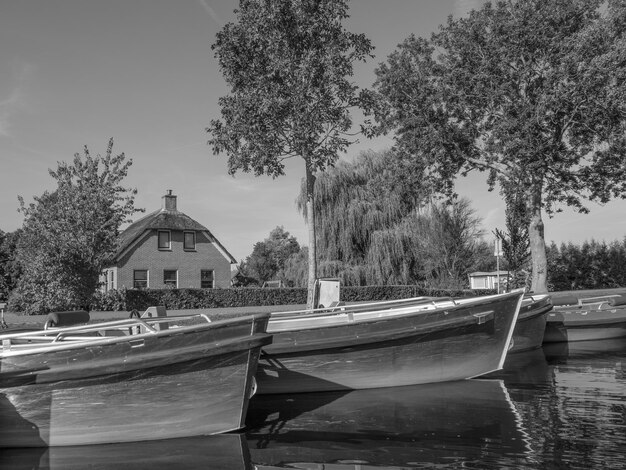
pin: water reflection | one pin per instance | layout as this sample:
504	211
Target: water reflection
221	452
590	398
596	351
468	421
573	403
562	406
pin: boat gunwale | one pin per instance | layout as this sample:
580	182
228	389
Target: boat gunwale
346	317
534	313
372	337
596	324
576	319
14	350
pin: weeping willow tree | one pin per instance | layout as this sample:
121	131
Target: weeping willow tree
378	226
437	244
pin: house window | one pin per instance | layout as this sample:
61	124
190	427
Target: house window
206	279
170	277
140	279
190	241
165	240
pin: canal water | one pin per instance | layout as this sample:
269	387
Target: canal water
561	406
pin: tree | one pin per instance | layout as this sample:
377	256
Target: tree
295	271
452	242
377	226
353	201
592	265
533	92
10	269
4	257
69	235
287	63
267	261
515	241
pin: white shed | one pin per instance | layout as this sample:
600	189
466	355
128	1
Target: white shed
487	280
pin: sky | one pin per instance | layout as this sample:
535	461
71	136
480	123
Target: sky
75	73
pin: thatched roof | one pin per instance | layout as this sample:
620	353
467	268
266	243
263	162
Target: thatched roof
164	219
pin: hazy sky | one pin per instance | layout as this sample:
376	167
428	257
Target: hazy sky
77	72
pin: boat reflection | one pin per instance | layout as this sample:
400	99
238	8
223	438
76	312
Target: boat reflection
590	399
557	353
401	427
528	368
218	452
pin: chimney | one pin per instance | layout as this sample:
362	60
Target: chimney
168	201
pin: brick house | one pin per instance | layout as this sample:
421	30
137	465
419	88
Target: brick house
168	249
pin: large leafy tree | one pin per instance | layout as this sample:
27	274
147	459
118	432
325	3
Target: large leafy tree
287	63
70	234
533	92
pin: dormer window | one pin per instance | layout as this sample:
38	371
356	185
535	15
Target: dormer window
165	240
190	241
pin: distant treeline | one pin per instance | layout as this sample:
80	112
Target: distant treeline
592	265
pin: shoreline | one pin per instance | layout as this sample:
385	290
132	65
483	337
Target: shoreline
15	320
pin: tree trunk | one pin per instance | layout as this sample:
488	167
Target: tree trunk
310	216
539	283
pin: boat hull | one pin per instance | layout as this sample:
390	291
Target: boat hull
531	323
585	324
176	383
421	346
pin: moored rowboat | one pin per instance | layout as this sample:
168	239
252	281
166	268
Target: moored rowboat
531	323
591	318
360	347
96	384
529	329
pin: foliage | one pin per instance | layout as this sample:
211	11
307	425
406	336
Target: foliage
241	280
267	261
531	92
452	244
175	299
10	269
70	234
376	229
355	199
286	63
111	300
295	272
515	241
214	298
592	265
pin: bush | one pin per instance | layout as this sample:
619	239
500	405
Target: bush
213	298
181	299
113	300
374	293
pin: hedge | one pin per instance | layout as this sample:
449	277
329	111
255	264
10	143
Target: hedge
180	299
